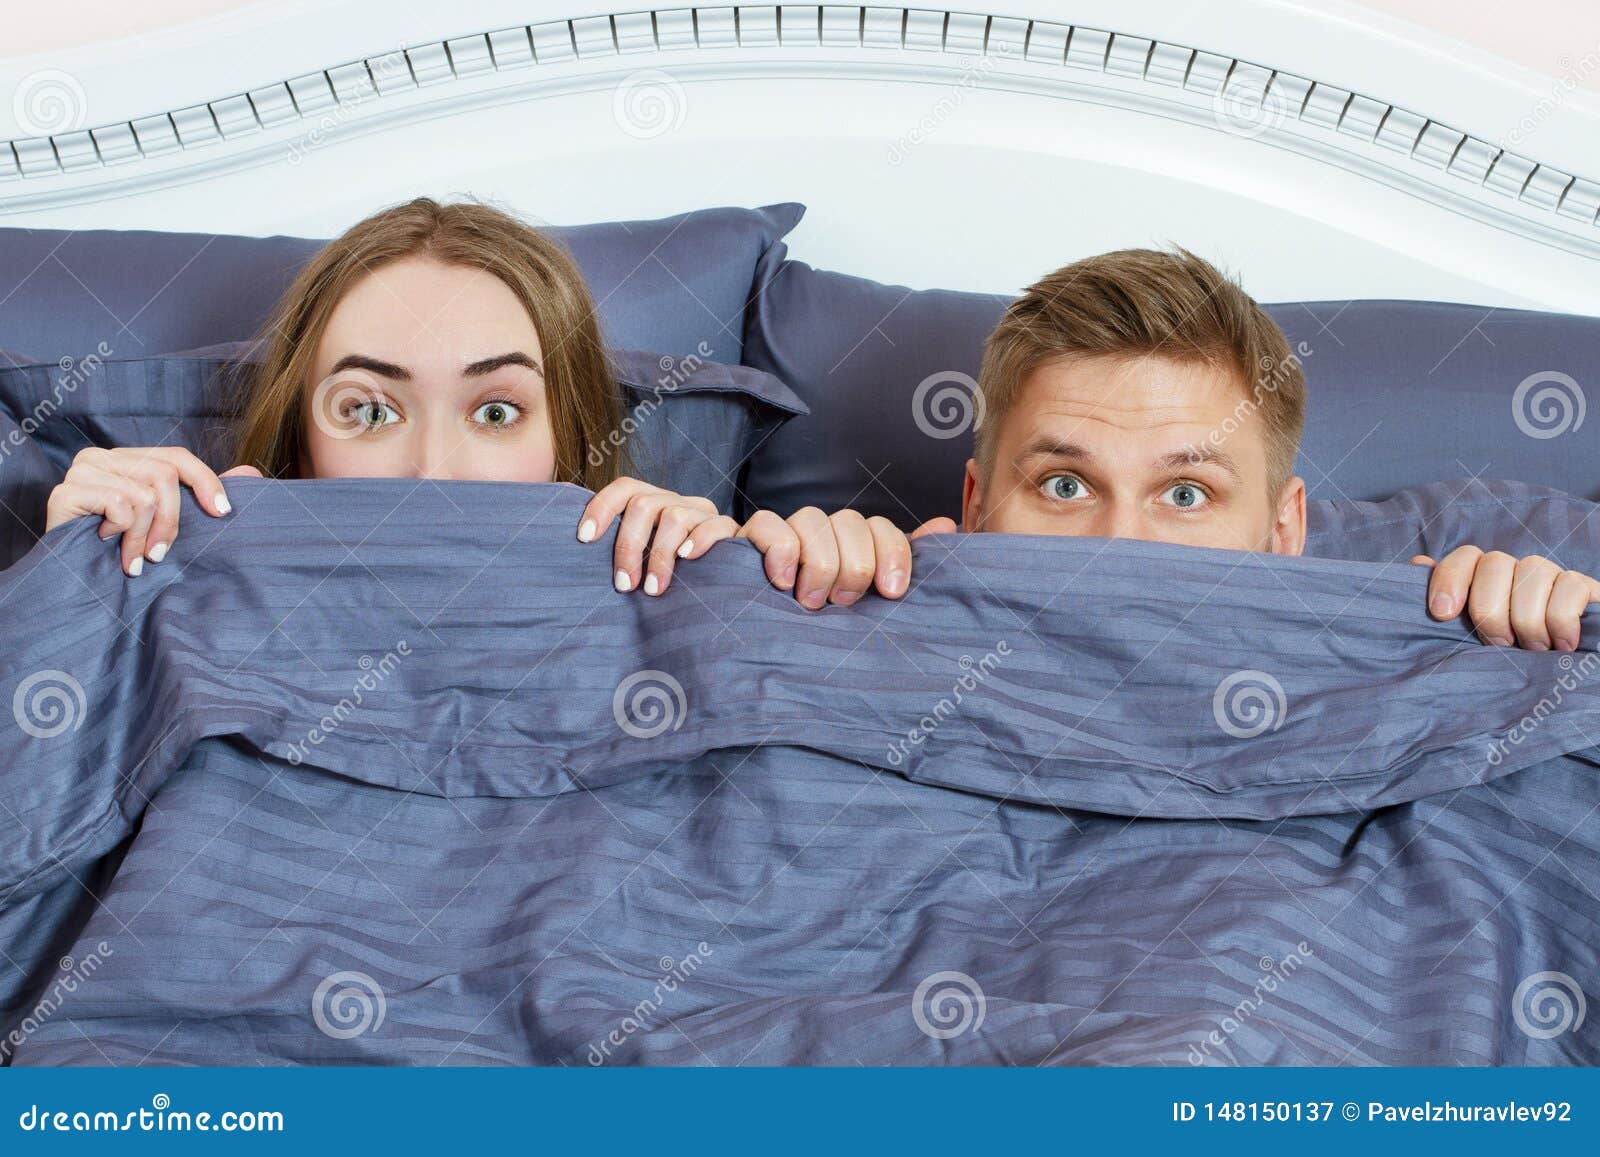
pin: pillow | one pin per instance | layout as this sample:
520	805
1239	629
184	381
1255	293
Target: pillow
1401	393
1435	519
689	424
889	374
665	285
26	477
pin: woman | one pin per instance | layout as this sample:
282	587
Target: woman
452	341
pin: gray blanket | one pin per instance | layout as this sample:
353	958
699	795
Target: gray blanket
385	772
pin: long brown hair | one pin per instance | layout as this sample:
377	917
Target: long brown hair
580	391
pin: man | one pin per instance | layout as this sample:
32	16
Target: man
1143	394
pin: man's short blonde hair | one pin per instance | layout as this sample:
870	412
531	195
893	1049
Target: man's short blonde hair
1149	303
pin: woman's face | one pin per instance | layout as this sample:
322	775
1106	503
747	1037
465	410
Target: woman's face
429	370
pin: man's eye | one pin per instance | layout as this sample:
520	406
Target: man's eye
497	414
371	414
1186	496
1063	486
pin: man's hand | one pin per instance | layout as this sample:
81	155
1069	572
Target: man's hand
832	558
1530	602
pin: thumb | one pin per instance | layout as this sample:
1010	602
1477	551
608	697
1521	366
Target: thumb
935	526
241	472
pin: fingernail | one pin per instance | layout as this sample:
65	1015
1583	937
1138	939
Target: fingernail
623	582
157	552
686	549
1440	605
787	578
651	586
223	505
1566	645
896	580
1497	641
813	599
136	568
586	531
1538	647
845	598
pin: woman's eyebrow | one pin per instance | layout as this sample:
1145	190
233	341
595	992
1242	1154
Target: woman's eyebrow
489	365
375	365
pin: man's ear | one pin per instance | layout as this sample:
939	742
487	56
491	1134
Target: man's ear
1289	527
971	497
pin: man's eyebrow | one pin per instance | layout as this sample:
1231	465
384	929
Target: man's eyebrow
1046	446
1198	456
375	365
489	365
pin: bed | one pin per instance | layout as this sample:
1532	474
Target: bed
1103	818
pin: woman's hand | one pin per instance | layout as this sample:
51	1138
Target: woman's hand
671	526
134	490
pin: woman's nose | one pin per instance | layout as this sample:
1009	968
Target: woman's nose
435	455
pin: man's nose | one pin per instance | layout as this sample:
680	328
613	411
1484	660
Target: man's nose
1118	521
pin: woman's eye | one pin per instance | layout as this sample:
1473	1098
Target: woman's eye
1063	486
371	415
1186	496
497	414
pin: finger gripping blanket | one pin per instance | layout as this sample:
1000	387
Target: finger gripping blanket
386	772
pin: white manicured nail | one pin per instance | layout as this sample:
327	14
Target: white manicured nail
586	531
624	583
650	585
686	549
136	568
223	505
157	552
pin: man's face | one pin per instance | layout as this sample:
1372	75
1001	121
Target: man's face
1137	447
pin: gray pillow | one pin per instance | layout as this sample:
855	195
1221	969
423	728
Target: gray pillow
689	424
888	374
665	285
1401	393
1435	519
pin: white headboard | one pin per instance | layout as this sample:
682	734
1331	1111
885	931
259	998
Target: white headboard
1324	154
